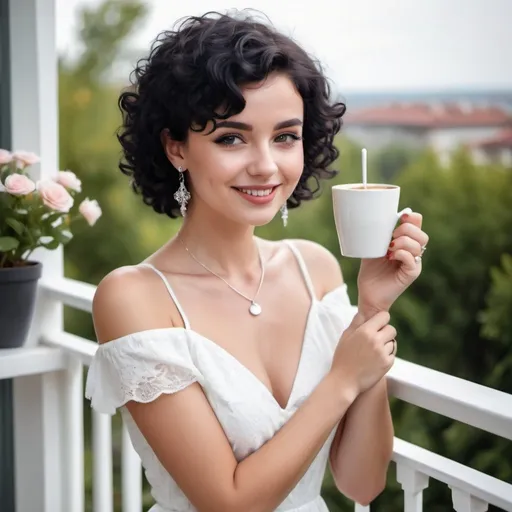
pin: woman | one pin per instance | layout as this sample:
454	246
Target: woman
238	363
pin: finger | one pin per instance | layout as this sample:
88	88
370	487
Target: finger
390	348
407	259
378	321
407	244
413	218
411	231
387	334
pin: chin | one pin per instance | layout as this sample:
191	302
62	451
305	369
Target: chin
257	219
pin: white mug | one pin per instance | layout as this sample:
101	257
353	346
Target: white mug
365	218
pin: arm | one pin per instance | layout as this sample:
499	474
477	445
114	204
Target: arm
185	435
364	448
363	444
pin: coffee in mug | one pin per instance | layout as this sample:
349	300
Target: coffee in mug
365	217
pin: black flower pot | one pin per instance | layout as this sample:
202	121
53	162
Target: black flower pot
18	287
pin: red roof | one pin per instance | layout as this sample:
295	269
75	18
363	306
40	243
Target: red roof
501	140
430	116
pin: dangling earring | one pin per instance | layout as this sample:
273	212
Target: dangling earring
182	195
284	214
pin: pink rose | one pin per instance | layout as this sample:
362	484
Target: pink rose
69	180
24	158
19	185
5	157
91	210
55	196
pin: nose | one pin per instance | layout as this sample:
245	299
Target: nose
263	163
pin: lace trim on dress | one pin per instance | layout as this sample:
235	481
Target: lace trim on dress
148	386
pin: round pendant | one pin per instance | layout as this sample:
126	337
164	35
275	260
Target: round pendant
254	309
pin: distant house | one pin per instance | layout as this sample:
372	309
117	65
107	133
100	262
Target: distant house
496	149
442	127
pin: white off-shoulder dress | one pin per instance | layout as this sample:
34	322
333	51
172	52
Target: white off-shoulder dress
143	365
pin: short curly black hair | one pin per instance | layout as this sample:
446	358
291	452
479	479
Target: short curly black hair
199	68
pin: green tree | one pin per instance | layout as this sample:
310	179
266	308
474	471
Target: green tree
390	160
89	119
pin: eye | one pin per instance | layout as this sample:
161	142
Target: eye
229	140
288	138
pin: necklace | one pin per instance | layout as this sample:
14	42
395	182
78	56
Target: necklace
254	308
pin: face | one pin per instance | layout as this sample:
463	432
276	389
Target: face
247	168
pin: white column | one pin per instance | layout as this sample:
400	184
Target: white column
413	483
464	502
34	109
38	400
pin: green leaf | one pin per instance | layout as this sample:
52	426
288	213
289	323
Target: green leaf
16	225
8	243
52	245
62	236
49	219
4	173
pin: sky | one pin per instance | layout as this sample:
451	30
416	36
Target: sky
364	45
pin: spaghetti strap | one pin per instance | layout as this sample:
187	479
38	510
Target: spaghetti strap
303	268
171	292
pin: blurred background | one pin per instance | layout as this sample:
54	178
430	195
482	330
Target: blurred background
428	87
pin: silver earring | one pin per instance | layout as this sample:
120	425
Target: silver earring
284	214
182	195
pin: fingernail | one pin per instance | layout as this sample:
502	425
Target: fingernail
388	255
405	215
392	244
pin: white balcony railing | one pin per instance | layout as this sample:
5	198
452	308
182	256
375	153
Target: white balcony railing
61	352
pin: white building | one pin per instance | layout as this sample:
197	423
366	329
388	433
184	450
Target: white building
443	127
41	384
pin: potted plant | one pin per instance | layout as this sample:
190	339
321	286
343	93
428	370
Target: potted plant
32	215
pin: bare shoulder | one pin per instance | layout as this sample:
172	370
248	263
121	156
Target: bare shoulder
124	303
322	265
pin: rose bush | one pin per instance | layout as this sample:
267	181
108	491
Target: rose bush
38	214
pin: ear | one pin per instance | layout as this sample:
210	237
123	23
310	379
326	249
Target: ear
174	149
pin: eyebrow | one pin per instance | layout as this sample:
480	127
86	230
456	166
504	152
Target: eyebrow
244	126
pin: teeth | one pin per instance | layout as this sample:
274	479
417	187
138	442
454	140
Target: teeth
260	193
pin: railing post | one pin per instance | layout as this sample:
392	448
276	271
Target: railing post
102	490
464	502
131	475
73	440
413	483
38	432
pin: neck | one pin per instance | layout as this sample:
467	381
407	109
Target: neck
227	248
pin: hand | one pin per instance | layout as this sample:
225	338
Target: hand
365	353
382	280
